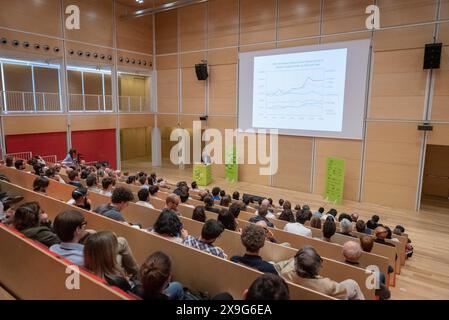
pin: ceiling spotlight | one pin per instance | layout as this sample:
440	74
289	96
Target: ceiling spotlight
120	59
88	54
56	49
46	47
26	44
37	46
4	41
110	58
71	51
15	43
95	55
139	1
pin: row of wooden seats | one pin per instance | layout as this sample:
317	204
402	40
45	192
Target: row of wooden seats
30	271
229	241
281	236
217	275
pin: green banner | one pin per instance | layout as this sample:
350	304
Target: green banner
202	174
231	166
335	180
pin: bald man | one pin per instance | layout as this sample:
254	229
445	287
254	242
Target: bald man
172	203
354	217
352	251
381	234
266	203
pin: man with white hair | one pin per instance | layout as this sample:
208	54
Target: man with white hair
270	214
352	251
346	228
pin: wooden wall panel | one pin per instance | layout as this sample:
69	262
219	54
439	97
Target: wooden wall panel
77	60
96	22
298	43
223	90
223	23
350	150
257	21
167	91
439	135
87	122
135	143
167	120
135	34
299	18
398	85
167	62
444	9
193	92
192	27
440	102
136	121
167	32
295	163
189	60
392	164
34	124
403	38
401	12
344	15
347	37
42	16
224	56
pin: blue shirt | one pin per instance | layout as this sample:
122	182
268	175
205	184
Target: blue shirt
255	262
217	198
68	161
73	252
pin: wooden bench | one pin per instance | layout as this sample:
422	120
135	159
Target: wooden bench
216	274
229	241
31	272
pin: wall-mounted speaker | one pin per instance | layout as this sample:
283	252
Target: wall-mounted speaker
432	56
201	71
4	41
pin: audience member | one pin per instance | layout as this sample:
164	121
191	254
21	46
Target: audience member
304	269
144	198
367	243
210	232
119	201
361	227
329	229
169	226
228	220
107	184
262	215
315	222
298	227
80	200
267	287
287	213
346	228
199	214
41	184
253	239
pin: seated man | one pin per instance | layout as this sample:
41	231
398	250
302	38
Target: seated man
184	196
268	233
361	227
346	228
172	203
262	215
119	201
70	226
304	269
298	227
108	185
352	251
91	183
216	193
212	229
74	178
144	198
381	234
267	204
267	287
253	239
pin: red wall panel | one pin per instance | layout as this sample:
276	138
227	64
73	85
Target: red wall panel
96	145
44	144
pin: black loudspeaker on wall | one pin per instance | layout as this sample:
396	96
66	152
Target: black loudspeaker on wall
201	71
432	56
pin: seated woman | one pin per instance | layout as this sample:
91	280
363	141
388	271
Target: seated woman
228	220
169	226
303	269
100	257
155	275
41	184
33	223
209	204
287	213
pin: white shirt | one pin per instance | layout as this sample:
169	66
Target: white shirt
145	204
106	193
298	229
270	215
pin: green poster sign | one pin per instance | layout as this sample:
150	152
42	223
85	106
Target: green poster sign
202	174
231	166
335	180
